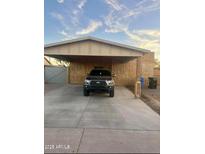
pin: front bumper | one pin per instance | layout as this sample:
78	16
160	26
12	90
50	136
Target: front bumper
98	88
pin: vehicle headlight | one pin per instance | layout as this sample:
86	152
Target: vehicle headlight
110	82
87	82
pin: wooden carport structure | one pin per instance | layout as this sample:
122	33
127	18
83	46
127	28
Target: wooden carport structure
86	53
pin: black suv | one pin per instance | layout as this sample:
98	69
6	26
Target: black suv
99	79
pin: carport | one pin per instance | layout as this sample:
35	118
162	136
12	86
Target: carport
86	53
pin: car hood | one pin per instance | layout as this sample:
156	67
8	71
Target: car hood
99	78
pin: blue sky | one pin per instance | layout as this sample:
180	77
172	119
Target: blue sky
133	22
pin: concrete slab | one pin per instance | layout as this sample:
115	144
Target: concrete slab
62	140
119	141
65	106
98	123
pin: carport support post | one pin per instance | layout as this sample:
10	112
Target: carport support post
68	74
138	89
139	67
139	73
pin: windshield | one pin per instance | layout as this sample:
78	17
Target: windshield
100	73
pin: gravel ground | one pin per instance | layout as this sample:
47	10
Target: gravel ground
154	93
155	105
152	98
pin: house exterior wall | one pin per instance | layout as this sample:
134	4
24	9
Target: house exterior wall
157	75
148	66
125	71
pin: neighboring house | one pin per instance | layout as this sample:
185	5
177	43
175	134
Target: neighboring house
46	62
157	74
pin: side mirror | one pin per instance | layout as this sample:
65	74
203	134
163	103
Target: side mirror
113	75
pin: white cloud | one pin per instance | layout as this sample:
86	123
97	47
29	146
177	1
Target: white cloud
133	36
145	34
147	6
64	33
60	1
153	46
81	4
120	17
93	25
147	39
114	4
58	16
148	32
112	30
75	12
69	18
72	15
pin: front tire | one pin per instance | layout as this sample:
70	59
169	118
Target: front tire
112	93
86	92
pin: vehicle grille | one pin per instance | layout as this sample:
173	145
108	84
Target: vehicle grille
98	83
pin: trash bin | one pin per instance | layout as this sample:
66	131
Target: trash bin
152	83
142	81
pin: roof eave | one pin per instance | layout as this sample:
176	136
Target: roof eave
99	40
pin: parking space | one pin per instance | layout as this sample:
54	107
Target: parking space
65	106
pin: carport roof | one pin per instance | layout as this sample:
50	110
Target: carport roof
98	40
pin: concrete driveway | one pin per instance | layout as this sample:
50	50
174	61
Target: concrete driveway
98	123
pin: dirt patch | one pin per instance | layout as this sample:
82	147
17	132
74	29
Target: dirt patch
157	97
153	104
154	93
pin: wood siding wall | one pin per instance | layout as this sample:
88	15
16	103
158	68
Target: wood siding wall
125	71
79	70
91	48
157	75
148	66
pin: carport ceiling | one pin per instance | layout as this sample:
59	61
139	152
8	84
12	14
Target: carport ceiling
92	58
91	46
